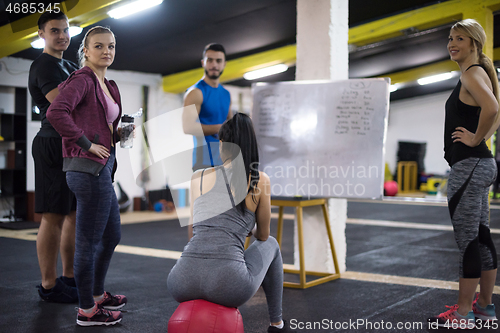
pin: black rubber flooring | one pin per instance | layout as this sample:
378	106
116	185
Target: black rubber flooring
338	306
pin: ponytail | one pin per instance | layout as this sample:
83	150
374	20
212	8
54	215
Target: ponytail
488	66
472	29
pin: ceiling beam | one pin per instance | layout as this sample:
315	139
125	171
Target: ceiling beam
483	14
17	36
390	27
480	11
88	12
421	19
179	82
416	73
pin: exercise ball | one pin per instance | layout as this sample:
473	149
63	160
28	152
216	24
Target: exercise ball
158	207
390	188
200	316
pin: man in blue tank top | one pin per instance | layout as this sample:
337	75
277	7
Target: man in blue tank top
213	104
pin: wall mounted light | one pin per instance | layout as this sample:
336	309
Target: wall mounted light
38	43
132	8
393	87
74	30
435	78
271	70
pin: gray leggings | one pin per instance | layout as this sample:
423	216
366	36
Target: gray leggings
229	282
98	229
468	188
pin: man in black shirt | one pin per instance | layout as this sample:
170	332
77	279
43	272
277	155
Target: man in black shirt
53	199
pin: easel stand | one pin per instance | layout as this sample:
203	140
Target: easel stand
299	203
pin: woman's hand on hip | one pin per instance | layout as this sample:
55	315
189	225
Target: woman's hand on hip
99	151
466	137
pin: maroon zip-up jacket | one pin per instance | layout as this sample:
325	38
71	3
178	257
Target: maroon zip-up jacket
78	113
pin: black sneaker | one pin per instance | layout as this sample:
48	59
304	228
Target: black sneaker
286	328
68	281
99	317
60	293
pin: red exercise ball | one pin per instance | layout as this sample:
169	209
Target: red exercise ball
200	316
390	188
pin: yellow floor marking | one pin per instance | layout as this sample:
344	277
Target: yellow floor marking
417	201
406	201
396	224
285	216
148	252
406	281
399	280
393	224
19	234
143	217
150	216
174	255
410	225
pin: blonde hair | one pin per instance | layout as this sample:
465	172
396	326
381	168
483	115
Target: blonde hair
93	31
472	29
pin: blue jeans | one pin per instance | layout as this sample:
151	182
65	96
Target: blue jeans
98	230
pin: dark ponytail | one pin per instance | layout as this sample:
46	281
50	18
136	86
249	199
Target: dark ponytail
239	132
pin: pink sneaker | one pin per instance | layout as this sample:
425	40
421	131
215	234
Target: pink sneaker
452	319
98	317
111	302
487	313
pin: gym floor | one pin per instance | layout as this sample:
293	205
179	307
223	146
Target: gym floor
401	269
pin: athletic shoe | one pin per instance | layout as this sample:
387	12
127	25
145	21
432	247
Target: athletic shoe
487	313
111	302
60	293
68	281
452	319
286	328
98	317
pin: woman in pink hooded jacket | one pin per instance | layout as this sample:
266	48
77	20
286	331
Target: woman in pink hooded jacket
86	114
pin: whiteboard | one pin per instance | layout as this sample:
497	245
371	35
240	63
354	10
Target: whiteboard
322	138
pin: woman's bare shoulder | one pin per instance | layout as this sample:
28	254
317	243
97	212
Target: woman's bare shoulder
474	74
264	180
197	174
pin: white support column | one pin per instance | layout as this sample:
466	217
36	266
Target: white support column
322	54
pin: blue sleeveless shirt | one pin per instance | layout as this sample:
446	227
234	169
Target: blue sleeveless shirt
214	110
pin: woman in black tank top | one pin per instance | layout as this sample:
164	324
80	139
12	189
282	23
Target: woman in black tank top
471	118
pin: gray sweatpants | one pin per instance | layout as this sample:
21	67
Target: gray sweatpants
229	282
468	188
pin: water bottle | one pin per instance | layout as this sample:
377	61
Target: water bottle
126	135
